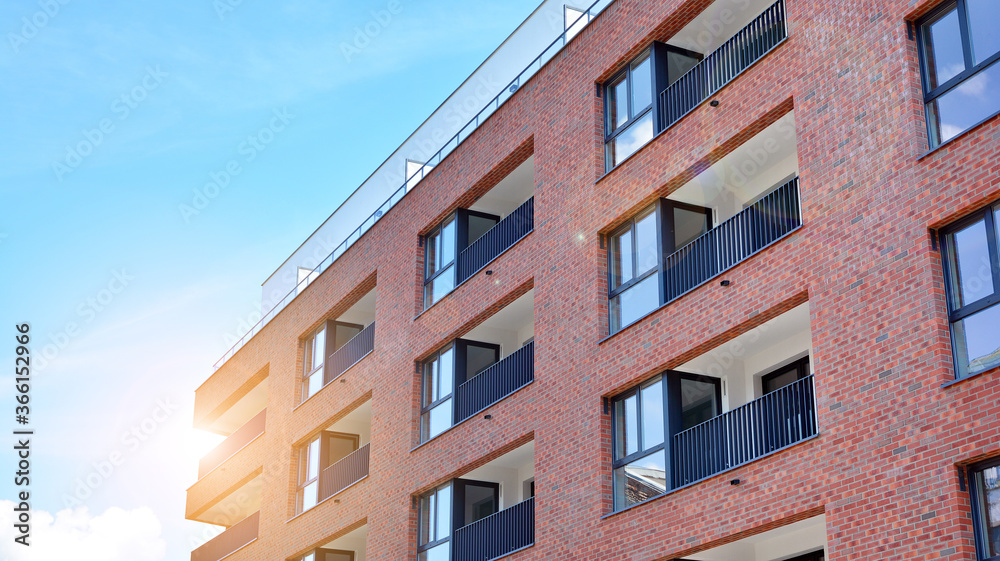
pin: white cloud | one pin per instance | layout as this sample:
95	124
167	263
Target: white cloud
114	535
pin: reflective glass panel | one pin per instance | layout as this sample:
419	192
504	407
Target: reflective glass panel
635	302
971	274
631	139
652	415
977	341
643	479
988	495
943	53
642	85
645	241
621	258
964	106
984	25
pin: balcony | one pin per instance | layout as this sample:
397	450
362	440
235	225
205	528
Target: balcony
724	64
466	241
351	546
484	366
490	512
737	239
766	400
497	240
344	473
765	425
350	353
352	337
749	398
512	529
734	209
804	540
236	537
334	459
233	444
496	382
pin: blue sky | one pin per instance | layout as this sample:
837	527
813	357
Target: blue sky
113	115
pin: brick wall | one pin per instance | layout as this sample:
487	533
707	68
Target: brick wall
883	469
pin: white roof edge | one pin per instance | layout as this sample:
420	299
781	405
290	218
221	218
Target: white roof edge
398	148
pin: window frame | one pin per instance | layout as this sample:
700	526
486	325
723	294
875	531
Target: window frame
304	459
970	70
425	409
801	372
641	453
633	117
309	349
435	492
441	269
670	381
970	473
630	226
988	215
663	211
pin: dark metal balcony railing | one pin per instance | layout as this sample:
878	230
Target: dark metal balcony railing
233	443
341	475
756	429
498	239
498	534
350	353
495	383
722	65
723	247
235	537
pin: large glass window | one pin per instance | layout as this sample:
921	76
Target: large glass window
959	46
639	457
636	253
633	266
435	525
439	262
310	457
972	270
984	485
438	382
312	371
629	110
643	430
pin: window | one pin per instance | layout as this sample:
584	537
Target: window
640	461
439	260
309	468
984	487
442	373
444	245
781	377
972	271
629	110
631	114
323	451
959	46
435	525
636	256
438	381
643	425
312	369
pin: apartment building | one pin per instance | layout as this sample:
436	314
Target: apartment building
692	279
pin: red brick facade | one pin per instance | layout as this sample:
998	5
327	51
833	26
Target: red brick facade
885	467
